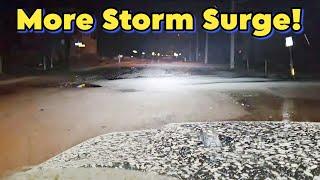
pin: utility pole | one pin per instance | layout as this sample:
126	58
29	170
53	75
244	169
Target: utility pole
44	63
232	40
190	50
206	49
197	47
293	73
289	44
1	65
266	68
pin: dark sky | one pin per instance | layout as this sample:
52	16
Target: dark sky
219	42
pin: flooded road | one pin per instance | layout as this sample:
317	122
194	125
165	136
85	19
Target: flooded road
262	106
37	123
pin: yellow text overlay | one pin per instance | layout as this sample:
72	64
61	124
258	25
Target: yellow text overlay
260	25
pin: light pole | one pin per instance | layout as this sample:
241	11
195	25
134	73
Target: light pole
206	49
232	39
197	47
289	44
119	58
293	73
0	64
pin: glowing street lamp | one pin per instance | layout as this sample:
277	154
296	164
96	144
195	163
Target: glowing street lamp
79	44
135	51
289	41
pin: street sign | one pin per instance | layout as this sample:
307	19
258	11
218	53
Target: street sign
289	41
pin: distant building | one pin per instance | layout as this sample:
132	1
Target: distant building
88	40
83	50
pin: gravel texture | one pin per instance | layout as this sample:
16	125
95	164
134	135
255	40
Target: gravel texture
222	150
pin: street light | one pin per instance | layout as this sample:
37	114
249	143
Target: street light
120	56
289	44
79	44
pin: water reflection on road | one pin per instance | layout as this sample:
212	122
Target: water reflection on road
264	106
288	110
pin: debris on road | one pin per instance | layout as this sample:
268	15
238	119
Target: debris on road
87	85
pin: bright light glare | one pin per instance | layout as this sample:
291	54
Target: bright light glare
293	73
163	83
79	44
289	41
135	51
143	53
153	53
158	54
175	54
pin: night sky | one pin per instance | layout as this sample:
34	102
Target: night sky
112	44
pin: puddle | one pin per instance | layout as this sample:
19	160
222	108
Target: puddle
267	107
128	90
